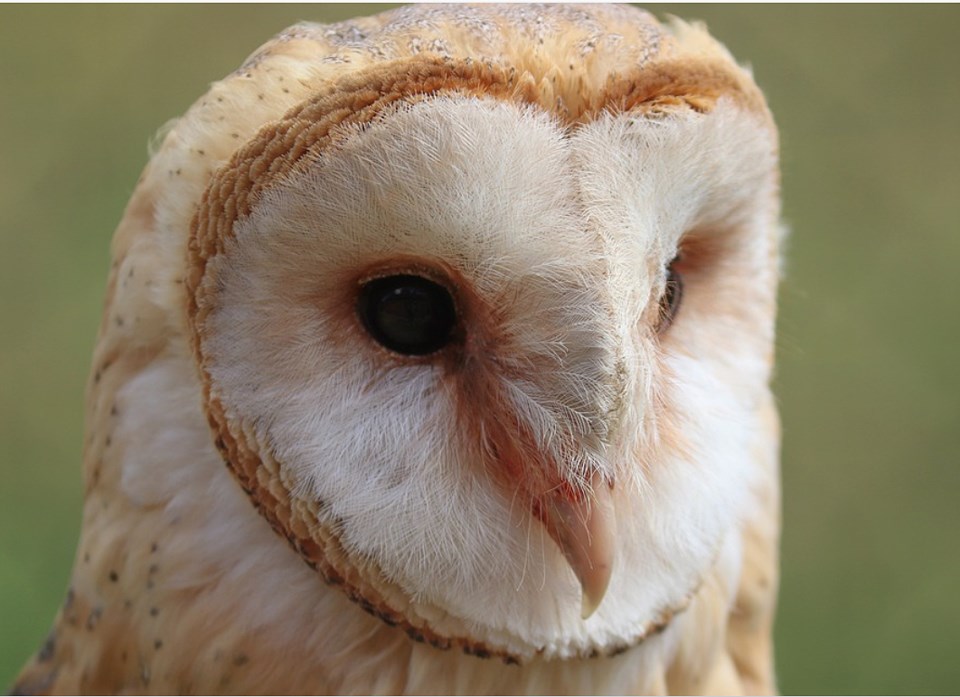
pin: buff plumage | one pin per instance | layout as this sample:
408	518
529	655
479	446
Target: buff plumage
569	495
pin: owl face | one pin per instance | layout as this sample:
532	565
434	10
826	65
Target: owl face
492	366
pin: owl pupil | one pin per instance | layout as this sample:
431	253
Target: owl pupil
670	301
407	314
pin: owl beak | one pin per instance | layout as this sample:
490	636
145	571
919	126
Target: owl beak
584	529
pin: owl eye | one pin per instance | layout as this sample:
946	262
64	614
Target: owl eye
670	300
407	314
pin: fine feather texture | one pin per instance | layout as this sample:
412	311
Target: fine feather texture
318	393
549	183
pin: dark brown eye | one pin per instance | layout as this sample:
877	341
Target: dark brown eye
407	314
670	300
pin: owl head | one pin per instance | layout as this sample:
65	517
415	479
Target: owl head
481	304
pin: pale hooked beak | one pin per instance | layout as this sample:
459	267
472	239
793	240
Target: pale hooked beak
584	529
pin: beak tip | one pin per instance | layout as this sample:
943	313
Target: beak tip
588	605
593	588
585	532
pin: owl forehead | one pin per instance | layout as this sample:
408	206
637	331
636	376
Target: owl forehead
463	156
481	185
288	146
485	186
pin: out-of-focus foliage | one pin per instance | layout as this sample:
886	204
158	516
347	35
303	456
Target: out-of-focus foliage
867	99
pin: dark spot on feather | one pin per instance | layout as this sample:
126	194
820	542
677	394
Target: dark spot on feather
476	651
49	648
94	618
439	643
366	605
114	577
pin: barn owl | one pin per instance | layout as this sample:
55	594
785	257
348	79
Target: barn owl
476	305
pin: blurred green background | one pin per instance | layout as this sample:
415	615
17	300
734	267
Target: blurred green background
868	101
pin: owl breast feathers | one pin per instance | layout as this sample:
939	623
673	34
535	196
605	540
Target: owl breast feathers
477	305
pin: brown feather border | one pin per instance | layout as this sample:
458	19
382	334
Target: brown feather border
279	149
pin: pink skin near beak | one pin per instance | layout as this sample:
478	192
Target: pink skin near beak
584	529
